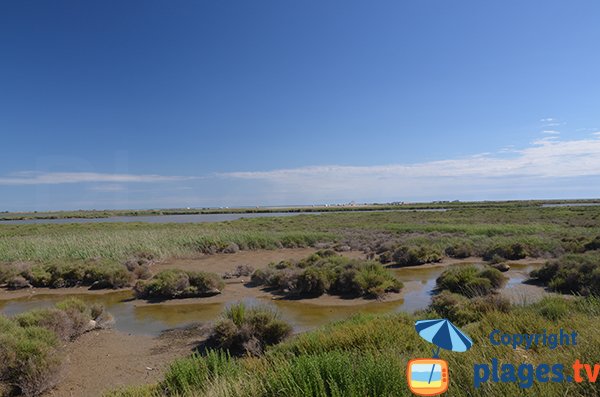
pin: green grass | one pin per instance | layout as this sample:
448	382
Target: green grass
119	241
542	231
367	355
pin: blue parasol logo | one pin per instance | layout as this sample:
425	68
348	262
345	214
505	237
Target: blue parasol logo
430	377
444	335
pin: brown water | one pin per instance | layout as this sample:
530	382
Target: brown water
135	318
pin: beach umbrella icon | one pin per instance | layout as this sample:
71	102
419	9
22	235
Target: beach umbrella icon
444	335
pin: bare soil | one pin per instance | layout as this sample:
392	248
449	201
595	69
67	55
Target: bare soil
105	360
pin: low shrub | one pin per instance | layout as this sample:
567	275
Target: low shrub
571	273
462	310
512	251
411	256
170	284
328	272
68	319
30	345
248	330
94	273
471	281
240	271
460	250
593	245
18	282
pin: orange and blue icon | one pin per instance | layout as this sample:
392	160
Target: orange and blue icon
427	376
430	376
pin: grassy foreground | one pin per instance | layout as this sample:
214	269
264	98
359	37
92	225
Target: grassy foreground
367	356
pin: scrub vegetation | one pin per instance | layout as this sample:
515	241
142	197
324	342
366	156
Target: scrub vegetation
171	284
573	274
471	281
247	330
328	272
31	344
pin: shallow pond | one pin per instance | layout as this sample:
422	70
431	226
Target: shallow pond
192	218
150	319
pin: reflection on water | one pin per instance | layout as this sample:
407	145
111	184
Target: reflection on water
151	319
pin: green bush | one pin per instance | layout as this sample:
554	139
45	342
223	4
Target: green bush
470	281
572	273
30	349
97	274
248	330
414	256
170	284
328	272
460	250
512	251
462	310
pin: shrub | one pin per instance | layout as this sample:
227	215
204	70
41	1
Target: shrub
512	251
461	250
572	273
313	281
18	282
170	284
470	281
68	319
328	272
98	274
244	330
593	245
413	256
30	349
462	310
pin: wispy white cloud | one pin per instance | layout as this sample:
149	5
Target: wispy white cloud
551	132
56	178
108	188
545	158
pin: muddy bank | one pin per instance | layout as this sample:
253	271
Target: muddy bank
104	360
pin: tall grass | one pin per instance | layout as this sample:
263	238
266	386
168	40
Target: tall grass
542	231
119	241
367	355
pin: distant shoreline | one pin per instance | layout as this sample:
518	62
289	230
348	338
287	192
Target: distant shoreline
436	205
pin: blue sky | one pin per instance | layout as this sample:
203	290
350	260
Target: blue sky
141	104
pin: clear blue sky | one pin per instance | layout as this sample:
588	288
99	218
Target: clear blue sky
139	104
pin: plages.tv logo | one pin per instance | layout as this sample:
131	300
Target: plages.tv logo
429	376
